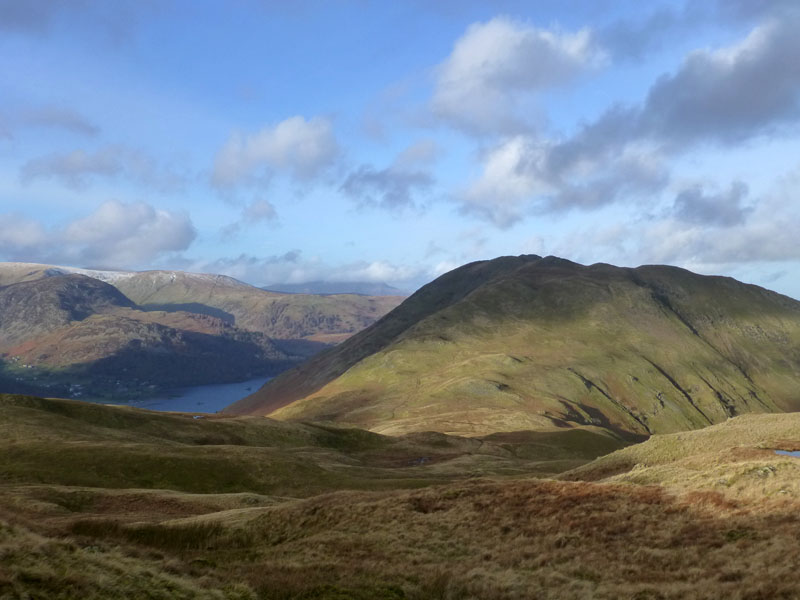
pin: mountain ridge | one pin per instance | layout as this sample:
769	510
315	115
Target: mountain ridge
530	342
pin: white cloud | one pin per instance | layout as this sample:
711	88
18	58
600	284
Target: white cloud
737	93
302	148
115	235
18	233
293	267
479	86
508	181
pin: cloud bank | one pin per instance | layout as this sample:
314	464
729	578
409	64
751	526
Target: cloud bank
116	235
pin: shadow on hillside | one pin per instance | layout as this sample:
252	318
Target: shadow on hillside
192	307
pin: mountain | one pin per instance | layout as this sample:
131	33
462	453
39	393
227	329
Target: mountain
71	333
32	308
306	321
327	319
539	343
362	288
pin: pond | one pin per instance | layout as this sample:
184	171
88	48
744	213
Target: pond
795	453
201	399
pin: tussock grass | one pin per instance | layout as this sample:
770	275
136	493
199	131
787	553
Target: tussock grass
481	528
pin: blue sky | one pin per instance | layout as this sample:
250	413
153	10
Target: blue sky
392	141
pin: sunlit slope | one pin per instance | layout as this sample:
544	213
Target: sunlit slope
546	342
317	372
736	459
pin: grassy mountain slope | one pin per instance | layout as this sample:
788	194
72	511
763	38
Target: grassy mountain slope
327	319
327	366
735	459
42	439
102	501
532	343
316	319
32	308
73	329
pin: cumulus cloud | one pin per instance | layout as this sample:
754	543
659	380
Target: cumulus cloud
634	39
730	94
705	231
301	147
294	267
694	205
115	235
19	235
508	181
389	188
762	240
717	97
478	87
77	168
396	186
747	10
519	177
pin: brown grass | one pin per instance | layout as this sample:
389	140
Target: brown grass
481	540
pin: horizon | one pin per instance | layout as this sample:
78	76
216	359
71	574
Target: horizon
283	144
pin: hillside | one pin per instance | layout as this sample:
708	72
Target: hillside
100	501
536	343
327	319
70	334
32	308
311	321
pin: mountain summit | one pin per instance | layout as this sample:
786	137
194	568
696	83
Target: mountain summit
528	342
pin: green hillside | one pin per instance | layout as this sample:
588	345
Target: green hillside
537	343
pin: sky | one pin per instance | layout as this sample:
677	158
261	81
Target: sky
356	140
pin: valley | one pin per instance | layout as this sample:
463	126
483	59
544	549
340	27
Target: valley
127	335
521	427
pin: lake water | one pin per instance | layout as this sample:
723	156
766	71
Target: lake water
201	399
795	453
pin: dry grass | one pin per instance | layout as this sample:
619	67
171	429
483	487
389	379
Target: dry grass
665	529
481	540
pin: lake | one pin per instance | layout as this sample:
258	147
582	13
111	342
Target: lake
794	453
201	399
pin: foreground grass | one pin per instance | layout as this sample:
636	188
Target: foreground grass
483	540
647	521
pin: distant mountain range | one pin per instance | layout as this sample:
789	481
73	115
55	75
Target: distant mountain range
362	288
66	331
535	343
